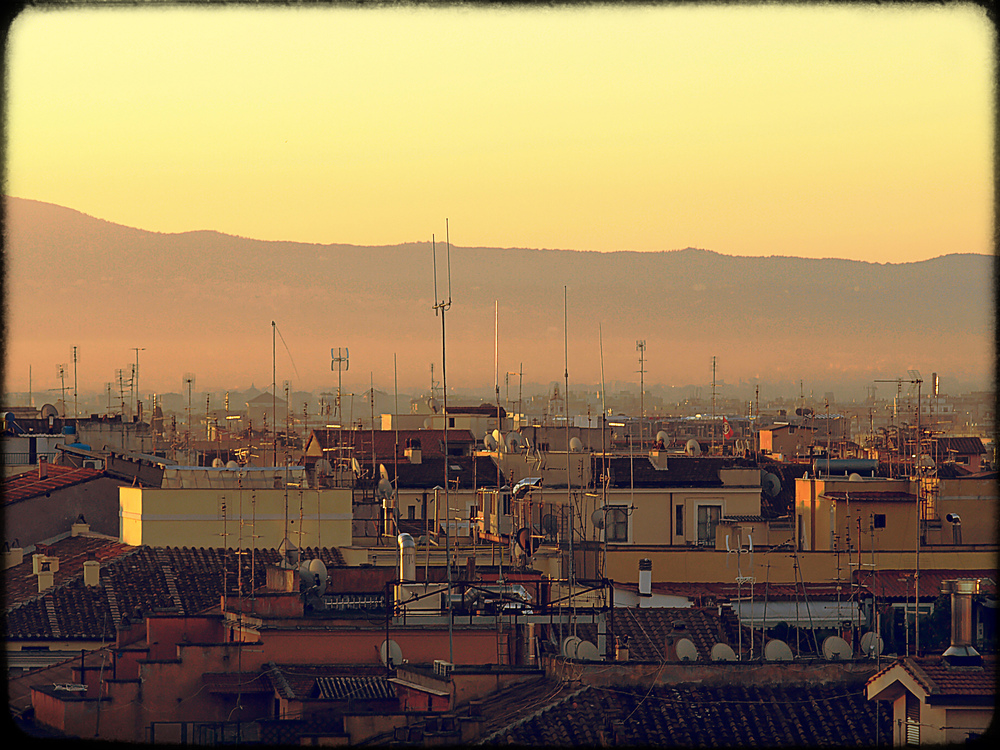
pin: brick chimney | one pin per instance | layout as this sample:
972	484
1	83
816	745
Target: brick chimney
961	652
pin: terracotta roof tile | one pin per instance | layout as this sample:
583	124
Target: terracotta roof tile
940	679
898	584
27	484
20	584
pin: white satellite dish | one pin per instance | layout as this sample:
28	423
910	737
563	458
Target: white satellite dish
836	648
723	652
232	464
871	644
490	442
390	653
692	447
586	651
217	463
598	518
686	650
569	646
663	438
384	489
383	472
428	424
355	466
855	477
576	445
777	650
323	467
313	573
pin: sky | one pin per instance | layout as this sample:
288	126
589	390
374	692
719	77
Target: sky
847	131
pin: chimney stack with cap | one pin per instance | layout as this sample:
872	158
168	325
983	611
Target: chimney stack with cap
43	467
645	577
961	651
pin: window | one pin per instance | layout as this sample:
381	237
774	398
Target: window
616	529
708	519
679	521
879	521
411	512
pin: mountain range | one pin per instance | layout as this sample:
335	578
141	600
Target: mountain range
204	302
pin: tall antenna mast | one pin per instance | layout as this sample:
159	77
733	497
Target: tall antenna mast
569	475
641	348
75	406
713	405
442	306
274	420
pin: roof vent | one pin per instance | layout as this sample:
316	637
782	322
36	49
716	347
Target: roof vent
961	651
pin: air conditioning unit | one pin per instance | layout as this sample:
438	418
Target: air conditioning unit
443	668
92	463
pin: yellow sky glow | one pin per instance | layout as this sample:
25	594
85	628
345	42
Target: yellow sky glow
847	132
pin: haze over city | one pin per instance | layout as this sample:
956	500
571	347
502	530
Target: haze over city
294	135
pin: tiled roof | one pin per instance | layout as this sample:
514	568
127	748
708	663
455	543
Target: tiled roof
20	584
143	581
27	484
943	681
647	629
963	446
330	682
710	593
389	443
898	584
693	715
681	471
466	471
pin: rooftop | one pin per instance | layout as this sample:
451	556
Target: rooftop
28	483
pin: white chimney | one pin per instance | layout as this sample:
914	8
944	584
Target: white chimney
13	556
407	558
45	577
645	577
80	527
91	573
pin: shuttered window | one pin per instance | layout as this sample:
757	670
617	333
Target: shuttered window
912	727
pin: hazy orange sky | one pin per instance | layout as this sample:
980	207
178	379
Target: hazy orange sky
850	132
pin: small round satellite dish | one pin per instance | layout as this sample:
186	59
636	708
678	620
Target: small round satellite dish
382	472
355	466
692	447
390	653
48	410
217	463
576	445
586	651
597	518
686	650
662	438
428	424
569	646
384	489
232	464
524	540
432	403
490	442
770	484
318	568
836	648
514	441
323	467
723	652
871	644
777	650
855	477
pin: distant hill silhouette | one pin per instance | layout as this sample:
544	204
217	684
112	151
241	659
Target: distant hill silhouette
205	292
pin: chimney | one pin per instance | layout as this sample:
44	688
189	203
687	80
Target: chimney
621	648
80	527
43	467
961	653
956	527
412	451
407	558
91	572
45	576
678	631
645	577
13	556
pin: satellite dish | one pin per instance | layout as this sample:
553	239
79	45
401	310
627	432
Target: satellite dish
569	646
48	410
662	438
382	472
686	650
232	464
586	651
598	518
217	463
313	573
723	652
355	466
432	404
427	424
871	644
855	477
550	525
777	650
323	467
692	447
836	648
384	489
770	484
490	442
514	442
576	445
390	653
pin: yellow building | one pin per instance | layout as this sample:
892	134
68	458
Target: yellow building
235	517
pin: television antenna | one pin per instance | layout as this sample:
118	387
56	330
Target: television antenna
61	374
189	384
640	347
